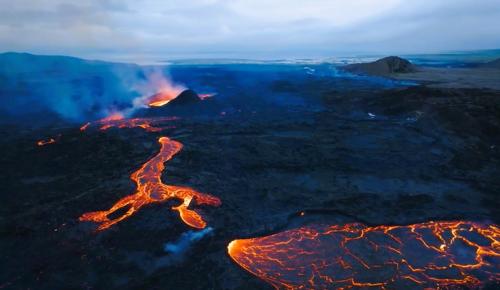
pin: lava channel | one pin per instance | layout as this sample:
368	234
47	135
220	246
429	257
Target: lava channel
150	189
432	255
118	121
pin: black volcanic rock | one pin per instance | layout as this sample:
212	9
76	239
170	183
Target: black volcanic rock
384	66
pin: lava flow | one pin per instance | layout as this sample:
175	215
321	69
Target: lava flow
432	255
119	121
151	189
46	142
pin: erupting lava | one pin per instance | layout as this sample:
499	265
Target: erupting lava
46	142
421	256
119	121
150	189
166	90
161	99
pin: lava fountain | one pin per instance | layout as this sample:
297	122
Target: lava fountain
161	99
432	255
150	189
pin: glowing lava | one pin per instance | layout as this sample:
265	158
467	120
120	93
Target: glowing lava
84	126
150	189
166	90
161	99
46	142
433	255
120	122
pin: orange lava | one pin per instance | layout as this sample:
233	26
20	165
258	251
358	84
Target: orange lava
144	123
113	117
150	189
46	142
161	99
432	255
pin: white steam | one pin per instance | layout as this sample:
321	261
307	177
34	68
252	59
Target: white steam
156	82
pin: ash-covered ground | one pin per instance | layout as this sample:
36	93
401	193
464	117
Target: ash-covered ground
277	140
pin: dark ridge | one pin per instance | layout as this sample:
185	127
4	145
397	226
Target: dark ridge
384	66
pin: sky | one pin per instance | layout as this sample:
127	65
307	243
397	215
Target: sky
258	29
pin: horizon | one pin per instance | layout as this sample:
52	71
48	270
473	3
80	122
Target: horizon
480	55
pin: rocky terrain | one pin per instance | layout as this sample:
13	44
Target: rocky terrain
338	150
474	76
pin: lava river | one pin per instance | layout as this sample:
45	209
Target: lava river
432	255
151	189
119	121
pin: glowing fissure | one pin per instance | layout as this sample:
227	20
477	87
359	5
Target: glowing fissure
420	256
150	189
45	142
118	121
163	98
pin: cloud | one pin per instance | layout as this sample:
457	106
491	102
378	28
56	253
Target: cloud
239	28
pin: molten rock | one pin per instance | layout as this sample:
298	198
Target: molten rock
432	255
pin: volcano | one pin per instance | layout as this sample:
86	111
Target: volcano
187	102
187	97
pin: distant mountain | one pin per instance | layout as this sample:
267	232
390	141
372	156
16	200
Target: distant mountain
384	66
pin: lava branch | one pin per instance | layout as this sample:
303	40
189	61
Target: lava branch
151	189
420	256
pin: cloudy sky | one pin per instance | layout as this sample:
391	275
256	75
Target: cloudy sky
166	29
